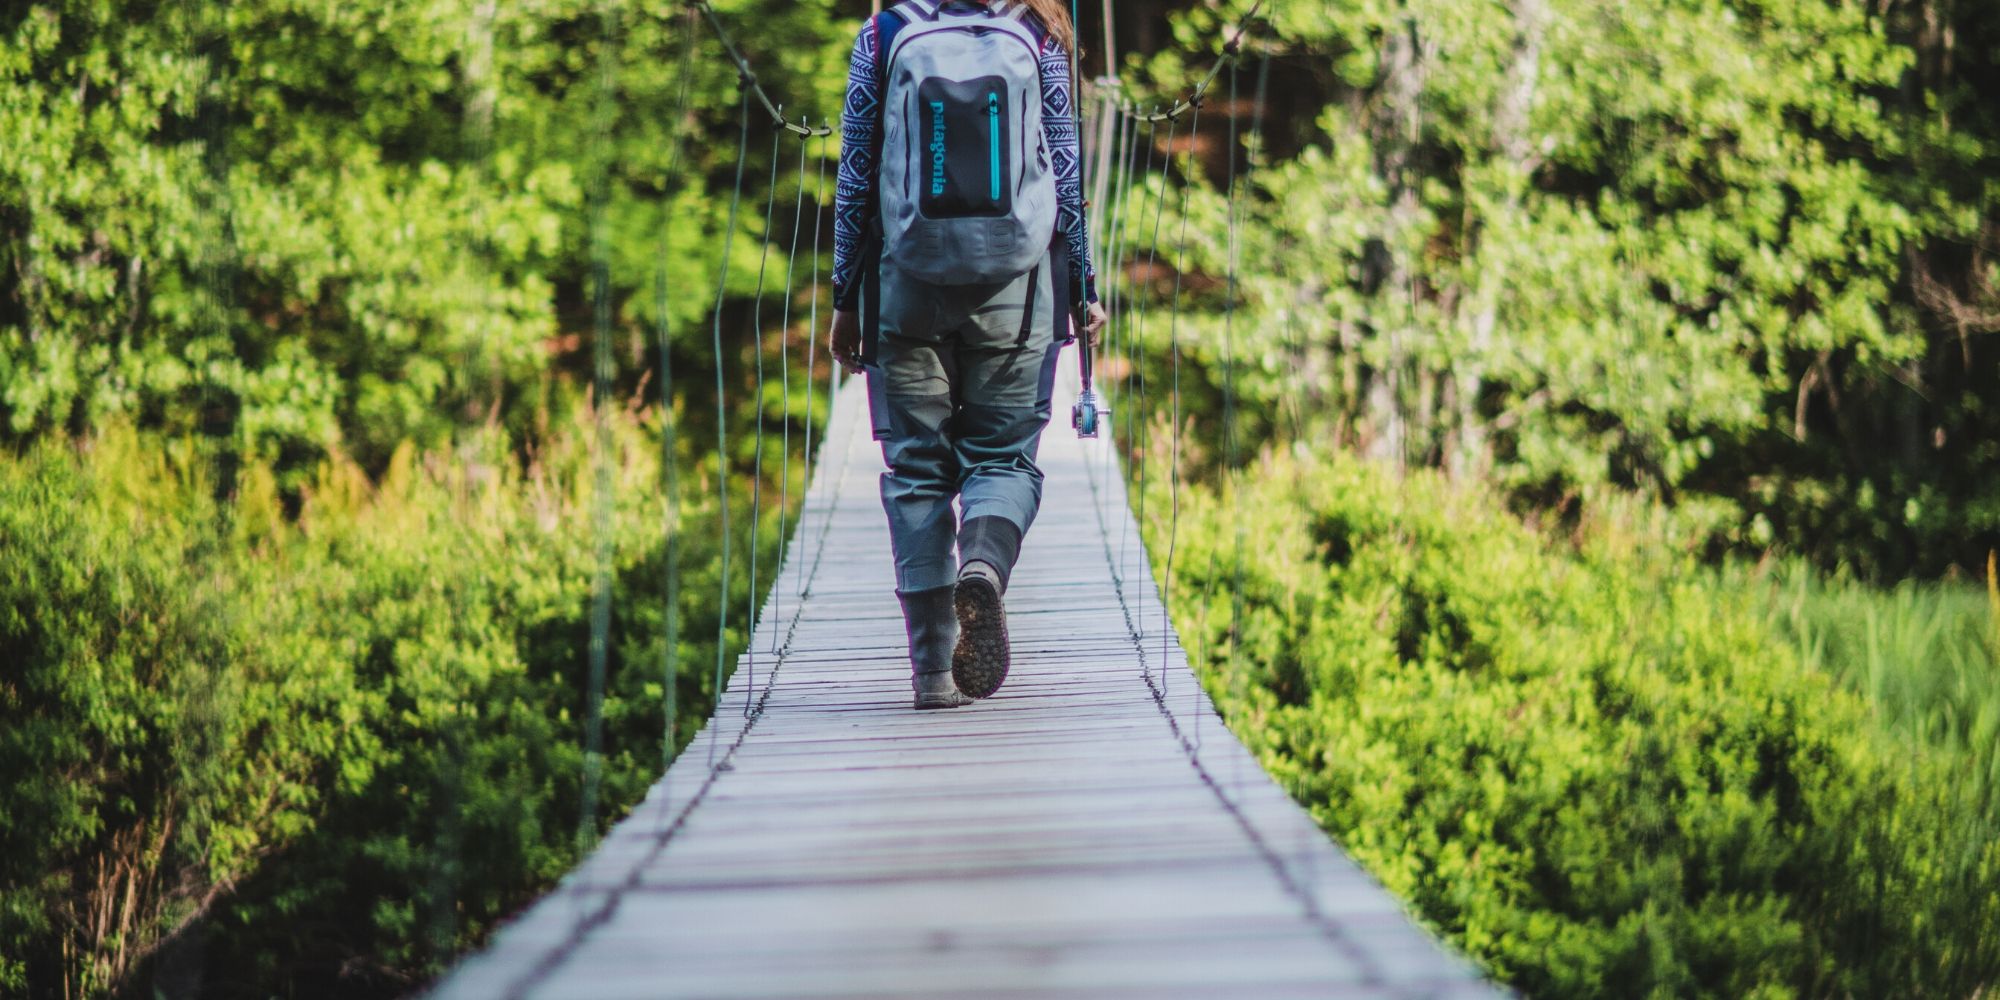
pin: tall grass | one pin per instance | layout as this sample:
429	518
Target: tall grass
1924	655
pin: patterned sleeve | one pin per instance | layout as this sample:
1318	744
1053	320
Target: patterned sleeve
854	190
1059	131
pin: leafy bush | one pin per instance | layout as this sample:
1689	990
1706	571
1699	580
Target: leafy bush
1600	772
318	755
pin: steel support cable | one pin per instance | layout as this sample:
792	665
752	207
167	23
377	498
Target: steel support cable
1251	155
1300	888
1134	381
1135	378
835	376
1120	288
669	457
1293	343
601	499
747	78
1174	364
1229	451
785	367
721	403
608	902
1152	261
757	462
1231	444
812	343
1111	277
1230	49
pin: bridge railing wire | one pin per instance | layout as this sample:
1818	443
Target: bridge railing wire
1130	126
750	90
1131	268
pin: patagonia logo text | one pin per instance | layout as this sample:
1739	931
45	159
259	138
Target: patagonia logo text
937	148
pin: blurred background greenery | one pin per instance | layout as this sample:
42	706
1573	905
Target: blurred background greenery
1613	383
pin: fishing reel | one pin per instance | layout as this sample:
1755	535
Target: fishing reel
1086	415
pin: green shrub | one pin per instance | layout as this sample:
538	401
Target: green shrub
1600	771
319	752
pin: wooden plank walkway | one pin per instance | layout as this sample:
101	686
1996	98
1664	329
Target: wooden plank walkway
1078	834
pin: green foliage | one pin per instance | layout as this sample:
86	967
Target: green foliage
1736	256
338	745
309	228
294	559
1599	769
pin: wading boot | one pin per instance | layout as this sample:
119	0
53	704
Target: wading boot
988	546
932	625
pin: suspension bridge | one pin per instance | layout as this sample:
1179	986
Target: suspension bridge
1091	830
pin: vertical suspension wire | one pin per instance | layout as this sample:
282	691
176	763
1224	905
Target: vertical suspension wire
1120	293
1133	386
1252	156
601	500
1108	278
1230	479
1231	451
785	368
669	448
721	402
1293	343
834	378
812	346
750	621
1145	430
1174	364
1233	478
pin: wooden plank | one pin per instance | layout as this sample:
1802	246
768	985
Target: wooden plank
1081	833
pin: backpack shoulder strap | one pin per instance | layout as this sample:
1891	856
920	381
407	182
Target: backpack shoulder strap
916	10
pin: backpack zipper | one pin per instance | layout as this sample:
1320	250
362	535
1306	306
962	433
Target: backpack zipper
993	121
913	32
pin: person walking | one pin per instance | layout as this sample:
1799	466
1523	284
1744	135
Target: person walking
960	259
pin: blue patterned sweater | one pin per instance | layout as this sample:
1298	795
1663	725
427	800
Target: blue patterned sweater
854	204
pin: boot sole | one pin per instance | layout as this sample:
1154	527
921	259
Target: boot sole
941	701
979	664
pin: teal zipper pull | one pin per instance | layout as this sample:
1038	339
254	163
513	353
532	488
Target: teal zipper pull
993	119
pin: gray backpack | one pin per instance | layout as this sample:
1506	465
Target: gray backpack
966	193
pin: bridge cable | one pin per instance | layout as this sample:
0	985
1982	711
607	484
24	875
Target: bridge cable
812	347
1188	169
1232	479
757	402
1231	444
601	500
669	448
1120	288
1229	52
1152	261
721	402
1107	276
747	78
785	366
1134	375
1252	156
1131	220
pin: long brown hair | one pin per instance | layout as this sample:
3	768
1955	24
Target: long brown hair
1055	17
